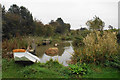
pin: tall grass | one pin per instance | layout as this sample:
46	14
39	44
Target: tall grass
99	47
14	43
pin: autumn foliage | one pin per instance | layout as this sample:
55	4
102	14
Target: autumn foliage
99	46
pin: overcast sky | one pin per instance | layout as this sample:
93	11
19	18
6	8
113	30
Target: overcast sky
75	12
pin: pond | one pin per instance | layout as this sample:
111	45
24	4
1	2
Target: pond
63	57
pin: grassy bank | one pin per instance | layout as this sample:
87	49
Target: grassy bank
37	70
101	62
53	69
102	72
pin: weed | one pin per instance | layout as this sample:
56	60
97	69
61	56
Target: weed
78	68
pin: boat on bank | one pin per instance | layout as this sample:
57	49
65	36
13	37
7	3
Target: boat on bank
23	55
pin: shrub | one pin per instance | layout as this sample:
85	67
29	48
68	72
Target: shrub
114	63
66	38
99	46
118	37
78	42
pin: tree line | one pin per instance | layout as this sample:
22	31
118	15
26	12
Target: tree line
18	21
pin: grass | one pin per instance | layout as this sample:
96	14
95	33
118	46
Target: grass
98	71
37	70
53	69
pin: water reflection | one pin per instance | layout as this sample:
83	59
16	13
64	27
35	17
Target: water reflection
63	56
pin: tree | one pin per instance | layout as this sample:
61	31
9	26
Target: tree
3	12
14	9
95	24
39	28
83	28
49	30
67	26
12	25
62	27
17	21
25	13
110	27
27	16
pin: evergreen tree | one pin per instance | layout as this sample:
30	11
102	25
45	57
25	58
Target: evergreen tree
14	9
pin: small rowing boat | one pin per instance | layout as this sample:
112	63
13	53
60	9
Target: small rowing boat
23	55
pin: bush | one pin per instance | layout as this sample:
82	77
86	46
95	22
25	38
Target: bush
78	42
99	47
65	38
78	68
118	37
114	63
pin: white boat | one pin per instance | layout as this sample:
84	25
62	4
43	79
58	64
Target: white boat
25	56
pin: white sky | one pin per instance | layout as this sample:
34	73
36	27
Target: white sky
75	12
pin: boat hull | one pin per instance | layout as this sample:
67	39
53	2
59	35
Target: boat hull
25	56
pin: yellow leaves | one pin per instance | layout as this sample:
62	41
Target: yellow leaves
99	46
103	44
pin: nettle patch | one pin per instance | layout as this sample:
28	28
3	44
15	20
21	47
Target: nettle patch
78	68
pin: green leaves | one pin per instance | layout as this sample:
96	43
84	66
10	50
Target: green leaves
17	21
95	24
78	68
78	42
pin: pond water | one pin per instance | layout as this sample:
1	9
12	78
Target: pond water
63	57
